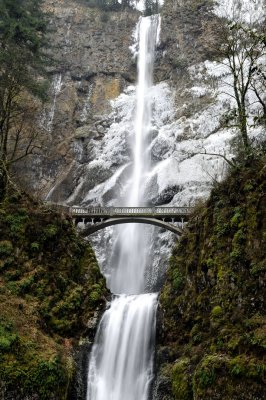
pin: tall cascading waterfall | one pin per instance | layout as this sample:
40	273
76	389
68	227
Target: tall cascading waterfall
121	360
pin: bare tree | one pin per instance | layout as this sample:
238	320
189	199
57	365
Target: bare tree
19	129
243	52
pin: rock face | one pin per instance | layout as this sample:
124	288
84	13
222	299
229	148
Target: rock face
89	121
189	31
93	65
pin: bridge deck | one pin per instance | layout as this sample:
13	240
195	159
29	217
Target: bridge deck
131	211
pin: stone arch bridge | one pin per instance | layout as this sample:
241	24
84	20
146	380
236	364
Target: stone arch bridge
94	219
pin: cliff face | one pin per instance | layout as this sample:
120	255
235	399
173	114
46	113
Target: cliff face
212	320
51	292
89	120
92	65
189	32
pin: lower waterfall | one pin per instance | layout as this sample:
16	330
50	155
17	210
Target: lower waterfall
121	360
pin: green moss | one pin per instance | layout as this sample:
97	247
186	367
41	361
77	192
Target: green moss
45	297
237	217
243	366
206	372
94	296
35	246
196	334
45	378
234	342
177	279
181	383
215	318
50	231
256	269
216	312
7	336
17	224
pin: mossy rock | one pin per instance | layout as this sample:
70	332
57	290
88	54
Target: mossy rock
181	380
216	317
47	277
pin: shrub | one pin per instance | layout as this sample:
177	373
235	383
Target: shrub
6	248
50	231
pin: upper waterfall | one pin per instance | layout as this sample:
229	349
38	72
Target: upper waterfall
129	257
148	36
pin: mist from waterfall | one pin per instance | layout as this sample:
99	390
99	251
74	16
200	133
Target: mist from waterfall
121	361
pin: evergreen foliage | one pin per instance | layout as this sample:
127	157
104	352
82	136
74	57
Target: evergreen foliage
110	5
23	29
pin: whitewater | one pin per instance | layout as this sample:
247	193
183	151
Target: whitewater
121	360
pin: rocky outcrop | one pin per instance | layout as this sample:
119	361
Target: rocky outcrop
85	121
189	36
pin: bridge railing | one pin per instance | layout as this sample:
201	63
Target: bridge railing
130	210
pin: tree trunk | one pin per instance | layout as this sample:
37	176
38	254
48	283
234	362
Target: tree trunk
244	133
3	183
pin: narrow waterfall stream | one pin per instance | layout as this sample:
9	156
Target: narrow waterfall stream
121	361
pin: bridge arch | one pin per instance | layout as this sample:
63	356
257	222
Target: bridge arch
88	230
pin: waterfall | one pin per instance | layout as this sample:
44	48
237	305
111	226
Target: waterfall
121	361
48	120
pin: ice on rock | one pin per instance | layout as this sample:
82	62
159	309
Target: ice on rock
174	145
76	192
95	196
166	173
47	119
199	91
171	173
163	104
177	145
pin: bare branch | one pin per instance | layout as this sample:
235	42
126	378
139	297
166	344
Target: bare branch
231	163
